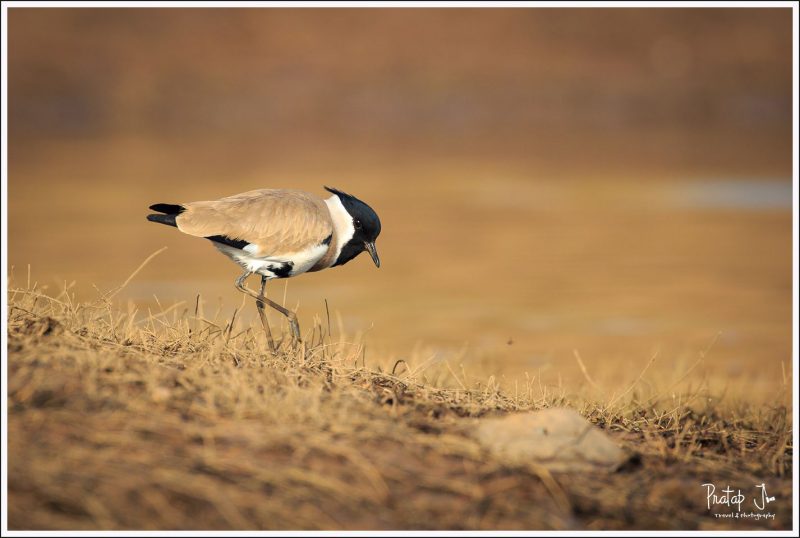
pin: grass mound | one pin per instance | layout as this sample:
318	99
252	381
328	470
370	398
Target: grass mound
173	421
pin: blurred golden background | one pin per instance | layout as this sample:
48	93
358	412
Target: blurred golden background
612	181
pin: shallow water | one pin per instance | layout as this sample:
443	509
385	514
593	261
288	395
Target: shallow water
737	194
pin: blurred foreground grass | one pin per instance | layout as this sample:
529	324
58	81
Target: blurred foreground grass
170	420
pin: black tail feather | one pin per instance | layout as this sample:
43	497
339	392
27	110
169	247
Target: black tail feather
169	220
170	212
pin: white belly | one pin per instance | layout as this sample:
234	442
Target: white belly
284	266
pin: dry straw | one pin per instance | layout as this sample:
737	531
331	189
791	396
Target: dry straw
181	420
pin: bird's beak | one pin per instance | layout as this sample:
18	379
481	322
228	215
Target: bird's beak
374	253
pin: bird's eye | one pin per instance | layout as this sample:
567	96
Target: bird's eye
357	224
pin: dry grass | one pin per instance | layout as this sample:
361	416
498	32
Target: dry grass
174	421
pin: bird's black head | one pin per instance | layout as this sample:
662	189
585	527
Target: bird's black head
366	228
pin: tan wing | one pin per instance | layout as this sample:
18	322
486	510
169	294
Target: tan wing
278	221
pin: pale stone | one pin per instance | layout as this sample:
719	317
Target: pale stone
557	439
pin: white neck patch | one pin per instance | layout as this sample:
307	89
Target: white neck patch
342	222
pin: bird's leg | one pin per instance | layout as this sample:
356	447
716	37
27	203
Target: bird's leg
263	316
294	325
291	316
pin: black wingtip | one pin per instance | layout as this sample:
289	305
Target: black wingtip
168	209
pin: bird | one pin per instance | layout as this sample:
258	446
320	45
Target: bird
279	233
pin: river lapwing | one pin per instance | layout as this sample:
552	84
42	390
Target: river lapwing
279	233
